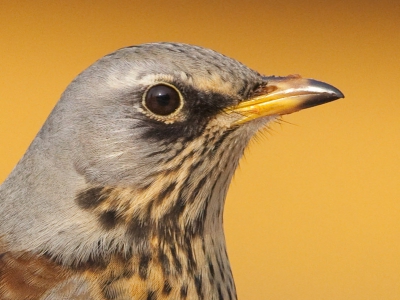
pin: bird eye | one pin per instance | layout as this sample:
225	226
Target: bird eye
162	99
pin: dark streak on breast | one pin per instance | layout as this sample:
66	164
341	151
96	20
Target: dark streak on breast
165	264
166	288
220	297
108	219
91	198
151	295
198	284
166	192
184	290
144	266
139	231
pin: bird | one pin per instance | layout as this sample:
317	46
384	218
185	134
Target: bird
121	193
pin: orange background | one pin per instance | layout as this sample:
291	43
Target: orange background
314	209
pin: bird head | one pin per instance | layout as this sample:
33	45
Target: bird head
144	143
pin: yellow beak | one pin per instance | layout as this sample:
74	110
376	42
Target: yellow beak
284	95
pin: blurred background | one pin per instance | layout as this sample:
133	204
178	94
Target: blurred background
314	209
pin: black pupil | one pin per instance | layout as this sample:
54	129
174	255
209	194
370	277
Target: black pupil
162	100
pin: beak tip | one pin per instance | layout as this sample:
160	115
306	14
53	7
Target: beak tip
327	93
320	99
336	93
